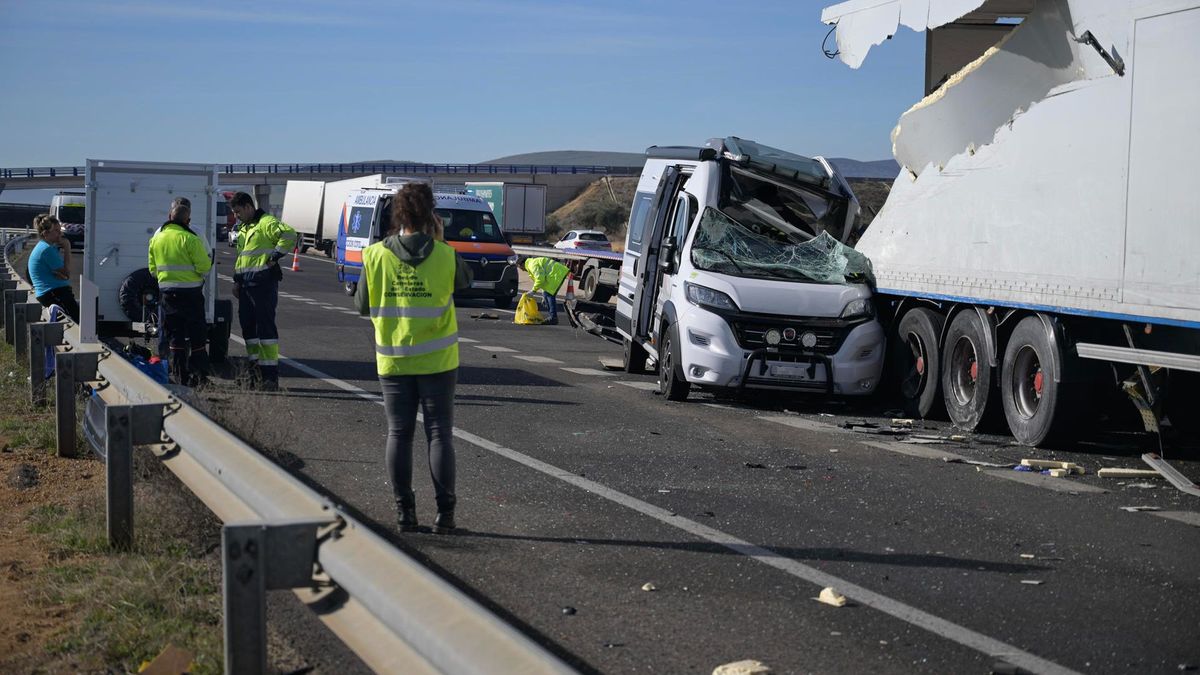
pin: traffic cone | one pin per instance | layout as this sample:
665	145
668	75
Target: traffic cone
570	287
296	259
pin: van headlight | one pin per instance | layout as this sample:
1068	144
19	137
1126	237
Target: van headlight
512	259
707	297
859	309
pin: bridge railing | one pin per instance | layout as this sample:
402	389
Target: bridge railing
359	168
277	533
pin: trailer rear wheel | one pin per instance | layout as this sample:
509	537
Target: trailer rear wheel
918	362
590	289
1038	409
635	358
671	382
967	377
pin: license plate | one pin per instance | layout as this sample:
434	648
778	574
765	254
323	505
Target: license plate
483	284
796	371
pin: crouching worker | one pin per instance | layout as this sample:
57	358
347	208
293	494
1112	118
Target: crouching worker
548	275
179	261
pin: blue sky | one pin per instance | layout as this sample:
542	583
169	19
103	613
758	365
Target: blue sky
431	80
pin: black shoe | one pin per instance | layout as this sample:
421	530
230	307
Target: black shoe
444	523
408	520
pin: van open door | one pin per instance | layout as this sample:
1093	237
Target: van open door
648	272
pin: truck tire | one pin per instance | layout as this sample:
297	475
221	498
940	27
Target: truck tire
967	378
590	288
138	296
1038	409
635	358
350	287
1183	403
219	331
917	363
671	382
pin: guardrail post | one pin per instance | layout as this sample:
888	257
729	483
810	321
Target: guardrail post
24	313
124	427
69	370
258	557
11	297
41	335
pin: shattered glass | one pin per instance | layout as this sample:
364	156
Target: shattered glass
765	251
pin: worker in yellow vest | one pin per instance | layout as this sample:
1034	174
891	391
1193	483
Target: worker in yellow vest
262	240
179	260
407	288
547	275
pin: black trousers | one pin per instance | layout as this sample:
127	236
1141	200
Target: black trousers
185	329
434	395
256	314
64	297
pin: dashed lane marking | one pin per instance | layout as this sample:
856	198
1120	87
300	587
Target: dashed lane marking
490	348
539	359
644	386
588	371
797	422
1038	480
1189	517
467	340
864	596
915	450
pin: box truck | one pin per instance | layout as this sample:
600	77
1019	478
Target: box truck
313	208
1039	247
520	208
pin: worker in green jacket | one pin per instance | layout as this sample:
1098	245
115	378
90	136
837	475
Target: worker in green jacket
548	275
179	260
262	240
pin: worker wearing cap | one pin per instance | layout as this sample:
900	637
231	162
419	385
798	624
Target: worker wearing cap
179	261
548	275
261	241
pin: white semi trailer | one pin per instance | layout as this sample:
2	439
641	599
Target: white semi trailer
1041	243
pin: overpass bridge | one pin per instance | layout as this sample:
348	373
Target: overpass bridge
562	182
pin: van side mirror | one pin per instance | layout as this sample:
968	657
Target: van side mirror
666	256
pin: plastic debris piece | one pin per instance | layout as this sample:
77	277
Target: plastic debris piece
649	587
1142	486
903	423
1052	464
1032	582
1028	556
747	667
1022	467
975	462
1058	473
754	465
957	438
1135	509
1112	472
834	450
831	597
569	611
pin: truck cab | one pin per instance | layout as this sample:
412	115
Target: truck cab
469	226
735	274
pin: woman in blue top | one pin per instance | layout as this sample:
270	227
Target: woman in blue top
50	267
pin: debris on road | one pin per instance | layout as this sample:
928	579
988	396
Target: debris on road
1142	486
834	450
831	597
754	465
902	423
747	667
976	462
958	438
1112	472
486	315
1135	509
1028	556
649	587
568	610
611	364
1032	582
1071	467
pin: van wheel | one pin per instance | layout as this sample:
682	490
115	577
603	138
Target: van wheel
918	362
967	378
1037	408
635	358
350	287
670	380
503	301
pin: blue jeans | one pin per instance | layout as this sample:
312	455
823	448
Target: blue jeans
435	396
551	304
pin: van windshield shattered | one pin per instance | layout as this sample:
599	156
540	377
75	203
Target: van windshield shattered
769	248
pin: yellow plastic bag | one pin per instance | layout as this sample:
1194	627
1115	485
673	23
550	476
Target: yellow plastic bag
527	312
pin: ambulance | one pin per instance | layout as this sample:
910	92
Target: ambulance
470	228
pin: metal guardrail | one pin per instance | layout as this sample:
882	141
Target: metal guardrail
278	533
357	168
551	252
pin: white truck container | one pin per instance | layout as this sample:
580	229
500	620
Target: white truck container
520	208
303	202
734	274
1042	237
126	204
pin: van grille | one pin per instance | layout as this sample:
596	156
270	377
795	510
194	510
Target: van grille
492	271
830	334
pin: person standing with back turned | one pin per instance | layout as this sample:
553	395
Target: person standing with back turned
407	288
262	240
179	261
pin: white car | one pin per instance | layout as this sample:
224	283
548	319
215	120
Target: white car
585	239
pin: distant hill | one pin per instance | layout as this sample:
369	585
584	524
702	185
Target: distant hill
573	157
853	168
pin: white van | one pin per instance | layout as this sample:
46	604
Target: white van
70	208
735	274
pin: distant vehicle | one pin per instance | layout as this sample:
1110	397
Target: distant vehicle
225	218
520	208
591	239
70	208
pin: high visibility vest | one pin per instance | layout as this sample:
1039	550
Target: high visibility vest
177	258
412	309
547	274
256	243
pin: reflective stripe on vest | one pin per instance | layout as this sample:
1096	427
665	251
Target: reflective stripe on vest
172	252
257	242
412	310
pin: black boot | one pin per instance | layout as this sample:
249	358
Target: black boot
408	519
444	523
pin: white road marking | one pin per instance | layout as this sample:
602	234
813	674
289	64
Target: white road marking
922	451
1189	517
351	312
799	423
538	359
467	340
962	635
1038	480
644	386
490	348
588	371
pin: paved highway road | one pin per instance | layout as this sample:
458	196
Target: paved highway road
580	489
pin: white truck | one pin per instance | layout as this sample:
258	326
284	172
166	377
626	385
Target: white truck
520	208
1040	244
313	208
126	204
734	274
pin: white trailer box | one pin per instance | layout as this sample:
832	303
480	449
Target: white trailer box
302	202
520	208
126	204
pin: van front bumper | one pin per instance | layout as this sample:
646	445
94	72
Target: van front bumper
851	364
